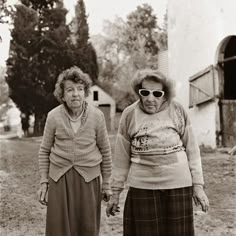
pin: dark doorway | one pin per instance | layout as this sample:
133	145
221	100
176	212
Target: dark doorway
228	91
230	69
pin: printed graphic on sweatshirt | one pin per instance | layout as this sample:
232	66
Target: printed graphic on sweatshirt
156	138
140	140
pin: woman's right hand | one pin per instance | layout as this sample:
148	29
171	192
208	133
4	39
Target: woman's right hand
113	205
200	197
43	194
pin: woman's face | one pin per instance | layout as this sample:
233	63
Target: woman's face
74	94
152	99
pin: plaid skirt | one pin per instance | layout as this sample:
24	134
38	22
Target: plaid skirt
158	212
74	206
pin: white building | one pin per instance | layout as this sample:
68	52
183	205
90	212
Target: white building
11	120
104	102
202	59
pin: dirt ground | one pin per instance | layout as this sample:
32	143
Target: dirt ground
22	215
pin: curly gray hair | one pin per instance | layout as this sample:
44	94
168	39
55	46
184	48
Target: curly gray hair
154	75
74	74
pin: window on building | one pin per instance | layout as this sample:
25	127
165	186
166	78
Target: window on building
95	95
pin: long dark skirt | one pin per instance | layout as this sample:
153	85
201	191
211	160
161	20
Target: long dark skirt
74	206
159	212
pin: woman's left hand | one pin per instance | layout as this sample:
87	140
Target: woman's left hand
43	194
200	197
106	194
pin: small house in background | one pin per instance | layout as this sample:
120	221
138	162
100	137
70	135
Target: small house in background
105	103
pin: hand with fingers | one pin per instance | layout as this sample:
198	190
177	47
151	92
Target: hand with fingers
200	197
113	205
43	194
106	194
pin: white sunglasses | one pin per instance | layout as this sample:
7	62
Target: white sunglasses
155	93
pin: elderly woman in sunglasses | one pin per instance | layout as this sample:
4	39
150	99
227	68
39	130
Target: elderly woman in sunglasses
157	156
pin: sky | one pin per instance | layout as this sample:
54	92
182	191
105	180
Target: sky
97	11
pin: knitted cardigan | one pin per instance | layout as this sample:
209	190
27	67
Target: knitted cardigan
88	150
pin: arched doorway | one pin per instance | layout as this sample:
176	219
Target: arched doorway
227	90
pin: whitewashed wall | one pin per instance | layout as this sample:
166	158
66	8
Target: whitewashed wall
195	30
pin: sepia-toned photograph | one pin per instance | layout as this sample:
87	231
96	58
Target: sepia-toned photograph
117	118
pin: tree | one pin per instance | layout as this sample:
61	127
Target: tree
127	46
85	55
142	23
39	51
41	47
82	29
6	11
18	78
4	91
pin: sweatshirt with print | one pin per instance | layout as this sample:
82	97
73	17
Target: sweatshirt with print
156	151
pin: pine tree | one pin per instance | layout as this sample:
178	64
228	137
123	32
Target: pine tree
39	51
85	54
82	34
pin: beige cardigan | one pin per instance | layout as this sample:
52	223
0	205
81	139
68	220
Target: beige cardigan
88	150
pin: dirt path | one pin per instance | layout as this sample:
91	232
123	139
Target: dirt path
22	215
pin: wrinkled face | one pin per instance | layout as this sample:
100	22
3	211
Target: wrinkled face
152	99
74	94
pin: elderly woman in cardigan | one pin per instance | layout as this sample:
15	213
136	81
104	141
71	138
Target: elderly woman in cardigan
74	159
157	156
